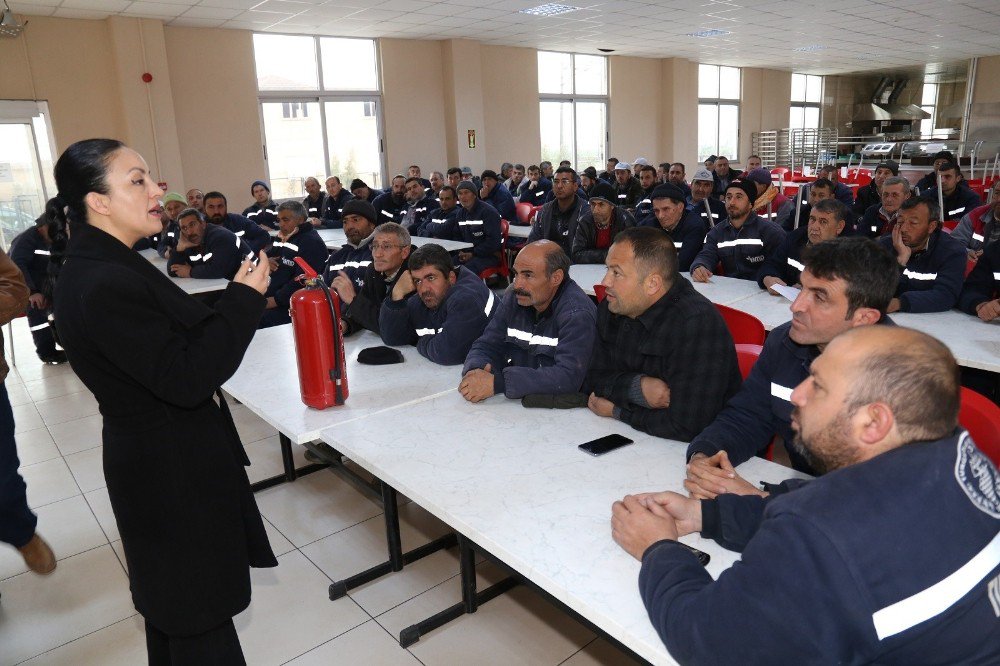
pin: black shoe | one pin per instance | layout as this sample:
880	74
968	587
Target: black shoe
56	358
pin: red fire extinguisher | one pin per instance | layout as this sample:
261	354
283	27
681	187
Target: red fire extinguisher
319	345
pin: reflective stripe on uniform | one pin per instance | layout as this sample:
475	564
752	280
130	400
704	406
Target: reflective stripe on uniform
913	275
779	391
741	241
956	211
678	245
43	252
978	237
291	246
38	327
940	596
489	305
386	213
350	264
532	339
797	265
470	223
428	331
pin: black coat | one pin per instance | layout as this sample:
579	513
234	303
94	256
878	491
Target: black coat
153	357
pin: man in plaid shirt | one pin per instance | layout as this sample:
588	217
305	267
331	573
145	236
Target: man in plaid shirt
664	362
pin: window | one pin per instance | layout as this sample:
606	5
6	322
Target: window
807	93
320	109
718	111
573	108
26	180
929	103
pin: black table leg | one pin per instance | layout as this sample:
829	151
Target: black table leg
288	462
397	558
471	599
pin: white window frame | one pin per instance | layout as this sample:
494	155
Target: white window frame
803	104
719	102
320	96
574	98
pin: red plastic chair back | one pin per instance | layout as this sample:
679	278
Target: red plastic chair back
600	292
525	211
949	225
746	356
981	418
745	328
503	269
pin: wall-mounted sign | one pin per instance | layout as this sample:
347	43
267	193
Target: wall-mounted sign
472	138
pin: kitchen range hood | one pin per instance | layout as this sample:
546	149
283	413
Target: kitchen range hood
880	110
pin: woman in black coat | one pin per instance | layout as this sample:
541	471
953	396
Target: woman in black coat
154	358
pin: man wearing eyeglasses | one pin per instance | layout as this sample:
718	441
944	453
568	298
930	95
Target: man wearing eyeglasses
390	247
557	220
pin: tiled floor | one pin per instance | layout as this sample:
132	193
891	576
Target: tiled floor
321	529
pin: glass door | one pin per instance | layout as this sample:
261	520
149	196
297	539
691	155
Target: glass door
25	167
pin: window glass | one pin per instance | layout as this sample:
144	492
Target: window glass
285	62
729	82
590	75
708	81
349	64
555	73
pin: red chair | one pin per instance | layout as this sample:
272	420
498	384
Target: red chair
525	211
981	418
949	225
600	292
503	269
745	328
861	177
746	356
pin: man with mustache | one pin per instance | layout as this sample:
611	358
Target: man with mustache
206	250
827	220
217	212
448	312
540	339
890	558
932	263
846	282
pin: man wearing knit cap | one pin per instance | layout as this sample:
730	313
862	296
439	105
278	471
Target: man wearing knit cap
496	194
929	180
360	190
871	194
598	227
478	223
711	210
263	212
742	242
686	227
588	179
355	256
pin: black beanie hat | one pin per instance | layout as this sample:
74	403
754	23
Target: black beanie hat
360	207
667	191
604	191
749	188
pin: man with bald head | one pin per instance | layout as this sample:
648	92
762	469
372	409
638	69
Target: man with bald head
892	557
540	339
314	201
196	199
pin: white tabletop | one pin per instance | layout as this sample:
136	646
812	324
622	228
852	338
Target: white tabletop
975	343
518	231
190	285
335	238
512	480
267	382
721	290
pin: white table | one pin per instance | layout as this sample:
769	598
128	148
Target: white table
336	238
190	285
974	343
267	382
721	290
518	231
512	480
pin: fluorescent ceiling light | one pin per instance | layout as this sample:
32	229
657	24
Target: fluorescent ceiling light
549	9
709	33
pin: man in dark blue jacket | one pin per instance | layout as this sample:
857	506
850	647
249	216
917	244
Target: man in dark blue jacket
314	202
478	223
711	210
644	207
30	251
355	256
448	312
841	192
496	194
893	557
534	188
296	239
333	206
557	220
441	223
847	282
206	250
597	229
391	206
420	206
880	219
957	198
263	211
931	262
827	220
686	227
741	243
217	212
982	286
540	339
